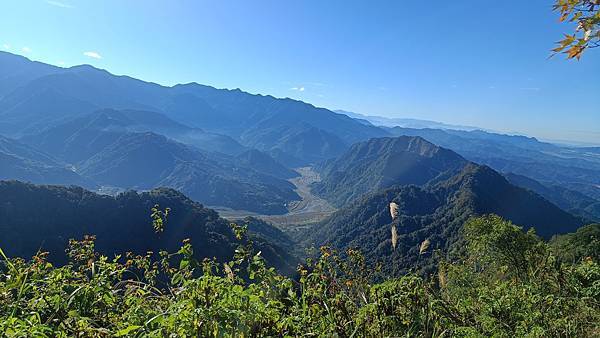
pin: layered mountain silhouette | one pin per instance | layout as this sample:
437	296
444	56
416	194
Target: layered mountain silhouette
77	139
148	160
384	162
435	212
119	149
572	168
48	95
43	218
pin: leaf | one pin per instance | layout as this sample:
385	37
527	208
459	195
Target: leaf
184	264
127	330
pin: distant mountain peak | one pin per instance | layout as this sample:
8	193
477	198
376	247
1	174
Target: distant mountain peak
380	163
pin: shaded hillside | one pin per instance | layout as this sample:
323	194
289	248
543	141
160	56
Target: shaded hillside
147	160
570	200
48	99
44	218
261	162
383	162
80	138
436	212
295	145
21	162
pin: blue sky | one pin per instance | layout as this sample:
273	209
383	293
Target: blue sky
482	63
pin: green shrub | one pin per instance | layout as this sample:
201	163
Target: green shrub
508	284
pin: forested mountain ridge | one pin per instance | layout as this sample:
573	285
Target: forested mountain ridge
380	163
147	160
436	213
41	217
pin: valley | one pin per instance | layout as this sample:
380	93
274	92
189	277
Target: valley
309	210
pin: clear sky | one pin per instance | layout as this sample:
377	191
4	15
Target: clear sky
482	63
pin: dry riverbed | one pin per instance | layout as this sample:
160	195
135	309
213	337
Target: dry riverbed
310	209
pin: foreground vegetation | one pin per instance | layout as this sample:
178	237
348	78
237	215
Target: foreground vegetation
509	283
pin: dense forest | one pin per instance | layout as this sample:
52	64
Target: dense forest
44	218
435	213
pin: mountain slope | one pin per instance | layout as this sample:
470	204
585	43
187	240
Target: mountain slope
383	162
80	138
68	93
569	200
296	145
436	212
261	162
147	160
21	162
44	218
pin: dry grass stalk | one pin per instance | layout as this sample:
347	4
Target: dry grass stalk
393	210
228	271
394	237
442	277
424	246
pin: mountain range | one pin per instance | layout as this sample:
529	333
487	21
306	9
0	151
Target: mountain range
147	160
434	212
44	105
98	129
39	97
572	168
190	145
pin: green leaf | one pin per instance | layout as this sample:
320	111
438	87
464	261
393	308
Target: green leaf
127	330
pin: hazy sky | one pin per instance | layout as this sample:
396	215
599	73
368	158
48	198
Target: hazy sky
482	63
